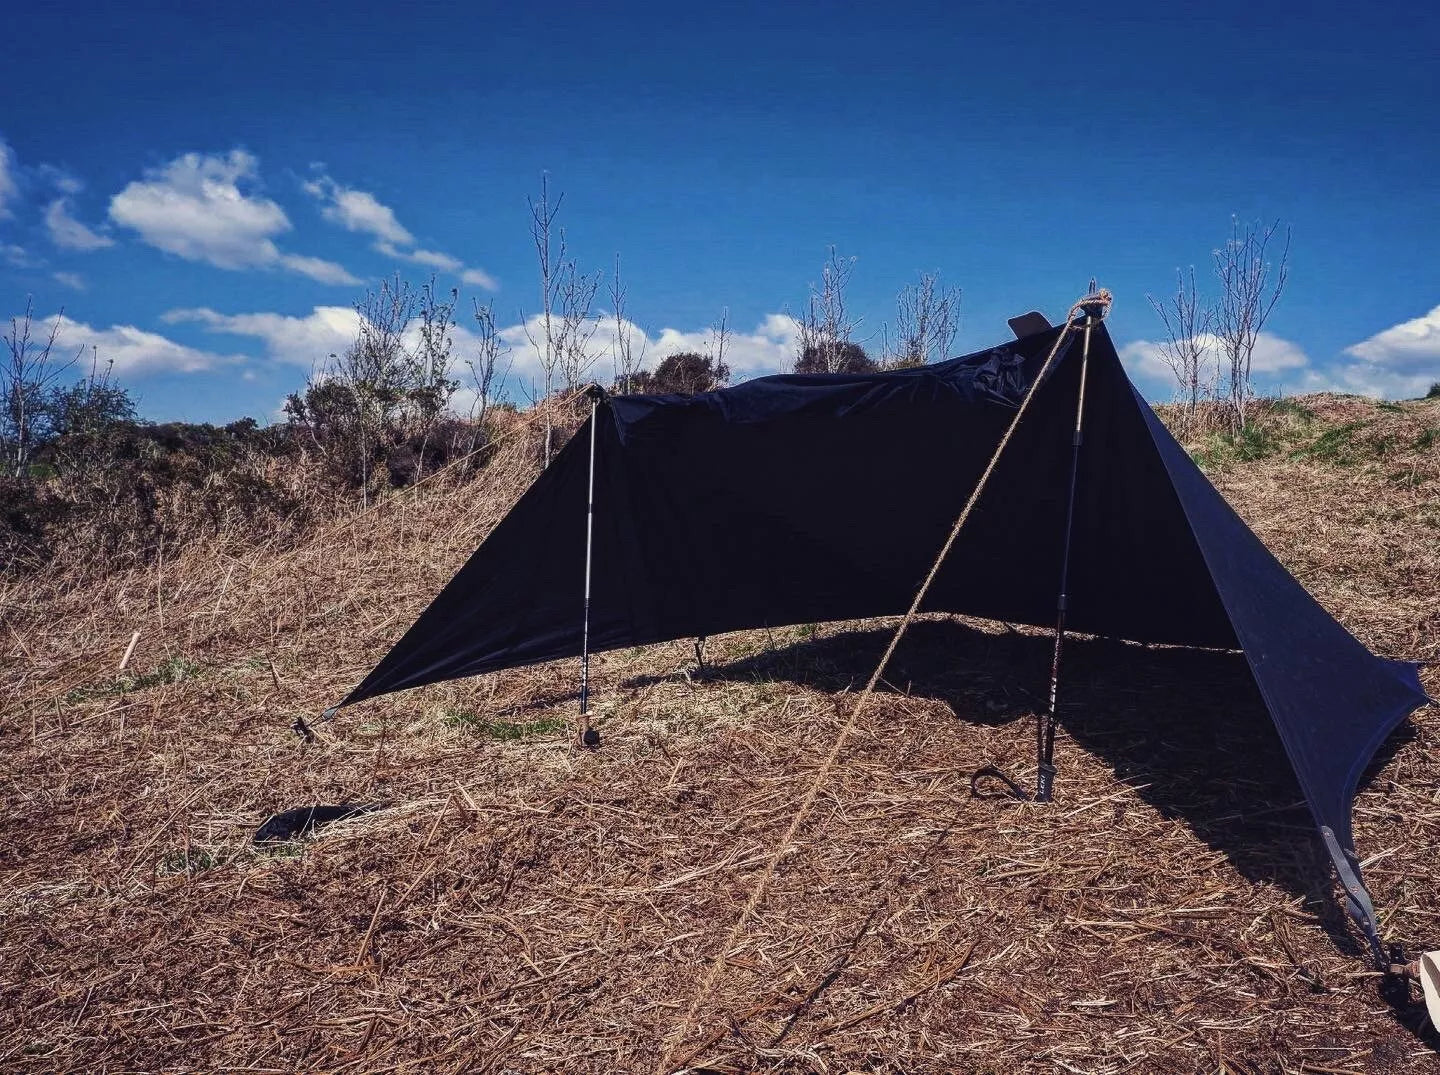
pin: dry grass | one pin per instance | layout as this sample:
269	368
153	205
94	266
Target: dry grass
524	906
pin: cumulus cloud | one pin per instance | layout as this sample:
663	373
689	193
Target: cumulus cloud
1273	355
318	269
308	340
9	183
357	210
432	258
70	234
204	207
769	348
1399	362
298	341
1277	365
360	211
1404	347
133	350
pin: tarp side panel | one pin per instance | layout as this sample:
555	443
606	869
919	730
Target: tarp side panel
1333	702
504	607
1136	571
783	500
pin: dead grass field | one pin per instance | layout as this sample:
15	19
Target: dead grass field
524	906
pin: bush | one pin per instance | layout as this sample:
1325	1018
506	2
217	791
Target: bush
842	356
1434	392
683	374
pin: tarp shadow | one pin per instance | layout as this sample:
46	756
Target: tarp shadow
1187	724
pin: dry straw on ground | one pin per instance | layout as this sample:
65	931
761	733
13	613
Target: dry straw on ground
523	906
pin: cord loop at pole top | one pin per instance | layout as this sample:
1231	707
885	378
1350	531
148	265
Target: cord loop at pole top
1094	306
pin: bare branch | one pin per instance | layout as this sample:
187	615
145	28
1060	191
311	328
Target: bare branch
927	320
485	368
1250	287
627	360
824	344
1188	322
27	378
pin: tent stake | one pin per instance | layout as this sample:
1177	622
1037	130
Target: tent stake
588	735
1045	725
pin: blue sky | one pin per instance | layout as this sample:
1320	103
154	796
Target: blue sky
206	191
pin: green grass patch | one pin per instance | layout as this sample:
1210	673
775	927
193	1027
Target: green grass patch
171	670
1286	407
1255	441
197	861
1426	440
1337	446
503	730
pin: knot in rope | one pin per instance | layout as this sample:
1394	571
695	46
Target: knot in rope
1094	306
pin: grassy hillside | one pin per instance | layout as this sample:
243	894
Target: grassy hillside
520	905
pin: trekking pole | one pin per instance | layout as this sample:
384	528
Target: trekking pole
1094	308
588	735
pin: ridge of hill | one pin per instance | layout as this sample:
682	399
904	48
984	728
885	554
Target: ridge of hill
521	905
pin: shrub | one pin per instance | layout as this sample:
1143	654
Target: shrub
840	356
685	373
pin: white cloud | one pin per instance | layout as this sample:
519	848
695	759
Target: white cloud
362	212
479	278
307	341
203	207
298	341
1278	364
70	234
61	180
1407	345
9	185
15	255
770	348
432	258
357	210
71	280
1273	355
318	269
1400	362
133	350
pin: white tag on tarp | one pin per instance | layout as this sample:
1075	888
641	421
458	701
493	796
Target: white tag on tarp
1430	985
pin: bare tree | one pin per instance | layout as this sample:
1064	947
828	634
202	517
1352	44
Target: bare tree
627	359
428	384
485	368
576	332
1250	286
716	343
373	367
927	320
826	327
388	388
31	371
1188	322
83	417
550	254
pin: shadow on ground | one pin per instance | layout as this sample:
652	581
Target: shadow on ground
1185	726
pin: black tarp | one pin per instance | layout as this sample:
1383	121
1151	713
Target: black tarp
801	499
